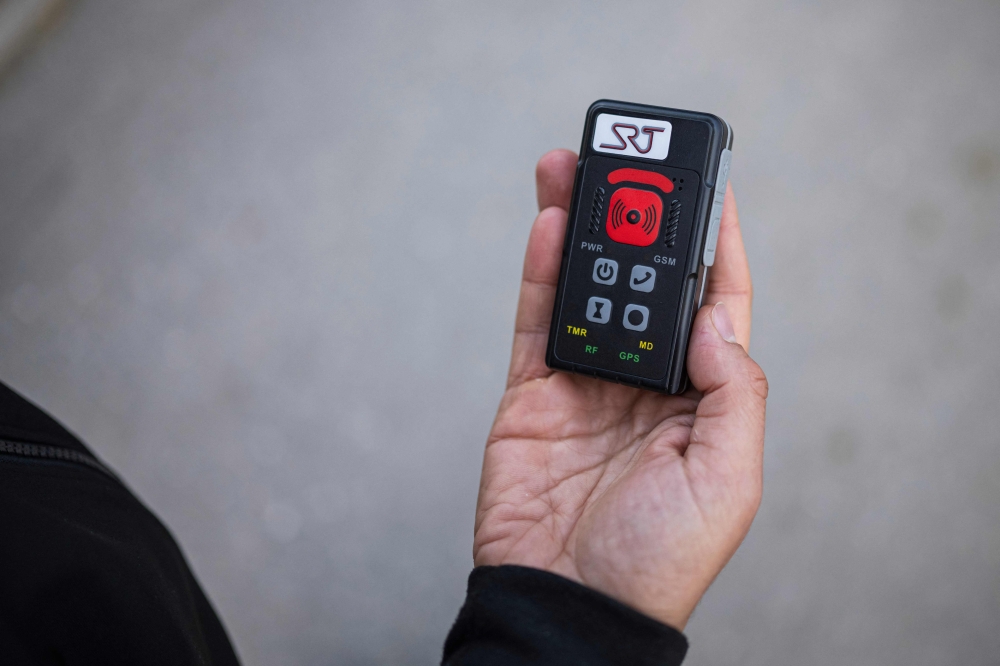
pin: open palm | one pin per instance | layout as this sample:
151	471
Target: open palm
641	496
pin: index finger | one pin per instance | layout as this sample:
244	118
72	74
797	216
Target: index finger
554	176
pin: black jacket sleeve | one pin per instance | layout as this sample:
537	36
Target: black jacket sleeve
87	574
516	615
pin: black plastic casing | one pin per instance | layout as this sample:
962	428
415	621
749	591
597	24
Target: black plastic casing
696	149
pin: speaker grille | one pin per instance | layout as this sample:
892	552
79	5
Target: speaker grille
673	221
597	210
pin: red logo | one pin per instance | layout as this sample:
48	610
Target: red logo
634	215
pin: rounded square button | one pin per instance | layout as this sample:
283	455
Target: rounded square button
599	310
643	278
605	271
636	317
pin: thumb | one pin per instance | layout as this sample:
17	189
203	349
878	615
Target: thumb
728	430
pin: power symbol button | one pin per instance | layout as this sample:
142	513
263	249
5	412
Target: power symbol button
605	271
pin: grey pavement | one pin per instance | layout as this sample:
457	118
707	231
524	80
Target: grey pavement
264	258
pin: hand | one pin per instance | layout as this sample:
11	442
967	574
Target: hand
641	496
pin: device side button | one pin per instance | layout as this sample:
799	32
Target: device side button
713	234
715	219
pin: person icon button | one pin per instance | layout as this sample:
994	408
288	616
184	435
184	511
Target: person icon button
598	310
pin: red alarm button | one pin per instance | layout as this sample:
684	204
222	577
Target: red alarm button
634	215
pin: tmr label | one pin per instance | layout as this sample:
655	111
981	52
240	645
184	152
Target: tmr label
632	137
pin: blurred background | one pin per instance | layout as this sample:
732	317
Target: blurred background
264	258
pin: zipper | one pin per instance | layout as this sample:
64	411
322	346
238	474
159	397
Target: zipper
42	452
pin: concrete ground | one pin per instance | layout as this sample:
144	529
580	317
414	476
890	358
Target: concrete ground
264	256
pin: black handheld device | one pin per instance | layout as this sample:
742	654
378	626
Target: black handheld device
643	225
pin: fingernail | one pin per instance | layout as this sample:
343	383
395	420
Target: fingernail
723	324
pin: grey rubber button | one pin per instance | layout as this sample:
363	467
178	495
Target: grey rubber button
636	317
599	310
714	222
605	271
643	278
715	217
